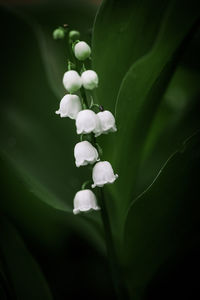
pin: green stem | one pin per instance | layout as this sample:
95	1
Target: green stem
112	257
83	95
85	184
70	52
68	65
86	106
91	101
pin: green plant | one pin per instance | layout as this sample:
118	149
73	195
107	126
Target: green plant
138	52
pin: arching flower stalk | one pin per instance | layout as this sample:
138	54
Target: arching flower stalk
89	125
75	106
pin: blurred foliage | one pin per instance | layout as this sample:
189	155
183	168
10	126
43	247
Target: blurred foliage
30	284
146	54
30	150
170	208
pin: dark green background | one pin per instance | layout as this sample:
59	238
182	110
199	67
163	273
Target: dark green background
160	250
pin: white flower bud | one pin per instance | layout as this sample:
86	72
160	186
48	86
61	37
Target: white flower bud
107	121
82	50
70	105
72	81
87	122
85	154
103	173
85	201
89	79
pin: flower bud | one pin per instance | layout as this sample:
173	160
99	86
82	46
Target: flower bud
84	201
70	105
74	35
87	122
107	121
82	50
89	79
103	174
59	33
72	81
85	154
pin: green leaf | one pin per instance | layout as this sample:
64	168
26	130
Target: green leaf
123	32
139	96
164	219
30	205
176	118
25	278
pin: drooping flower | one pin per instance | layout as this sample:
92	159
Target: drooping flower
82	50
89	79
85	154
70	105
87	122
72	81
84	201
107	121
103	174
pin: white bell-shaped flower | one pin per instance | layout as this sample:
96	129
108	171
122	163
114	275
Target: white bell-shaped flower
107	121
89	79
82	50
85	201
103	173
85	154
70	105
72	81
87	122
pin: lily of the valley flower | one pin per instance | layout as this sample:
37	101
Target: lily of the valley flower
72	81
89	79
85	201
85	154
87	122
107	122
103	174
82	50
70	105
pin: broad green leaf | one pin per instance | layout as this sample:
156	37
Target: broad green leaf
176	118
26	280
164	219
38	212
140	94
123	32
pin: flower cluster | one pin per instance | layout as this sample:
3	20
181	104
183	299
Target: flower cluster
88	124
